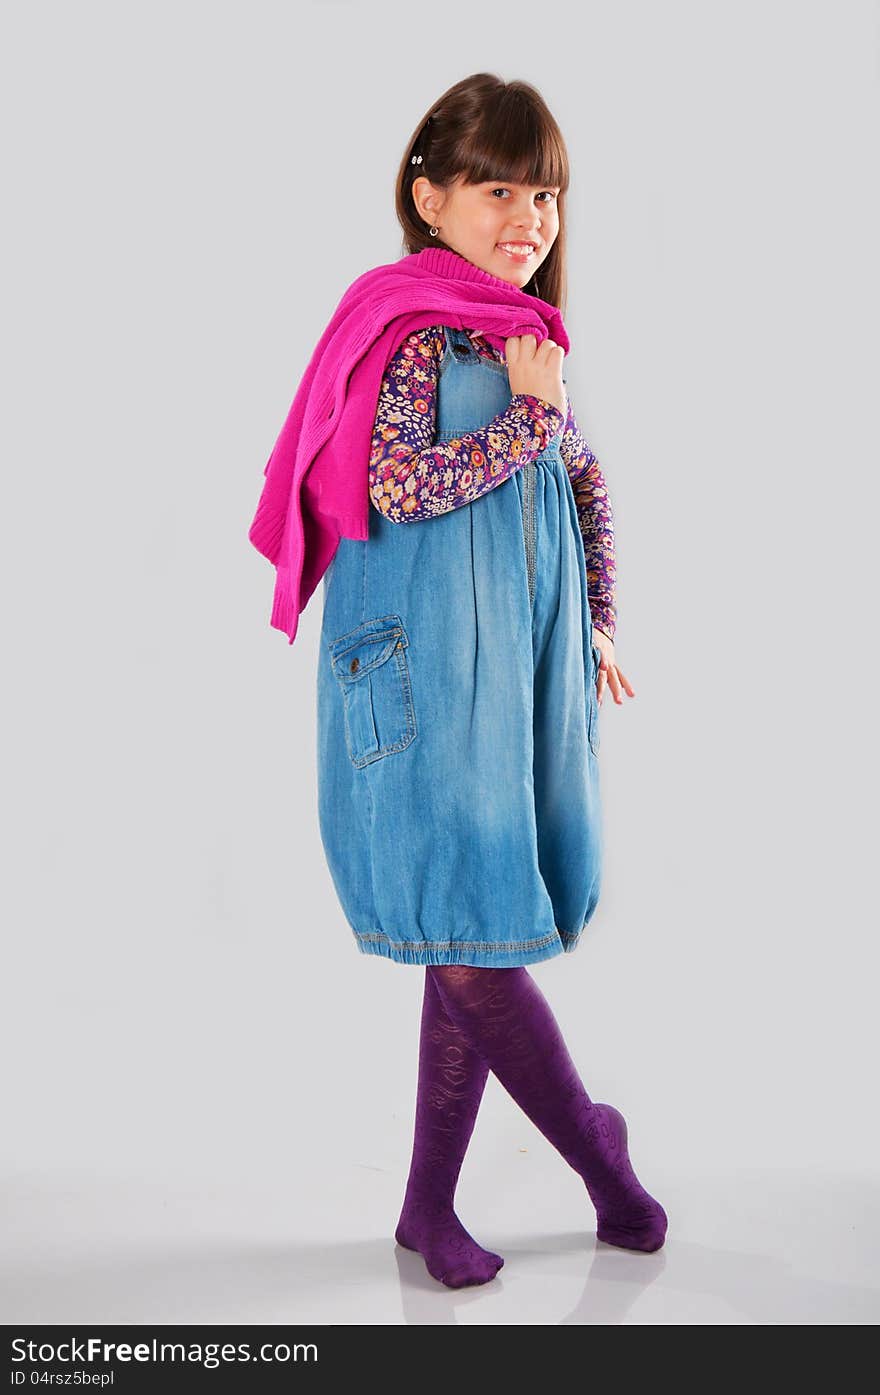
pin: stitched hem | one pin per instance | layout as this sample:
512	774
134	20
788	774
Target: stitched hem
480	953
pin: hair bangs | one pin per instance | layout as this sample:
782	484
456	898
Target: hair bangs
515	146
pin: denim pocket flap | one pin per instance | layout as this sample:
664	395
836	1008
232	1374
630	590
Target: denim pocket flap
371	666
366	648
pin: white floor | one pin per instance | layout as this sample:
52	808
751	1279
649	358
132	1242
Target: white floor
745	1248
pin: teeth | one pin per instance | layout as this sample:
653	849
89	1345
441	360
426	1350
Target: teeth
516	247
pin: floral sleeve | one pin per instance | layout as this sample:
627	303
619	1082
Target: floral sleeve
596	522
412	476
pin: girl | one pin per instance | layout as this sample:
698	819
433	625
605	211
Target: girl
465	644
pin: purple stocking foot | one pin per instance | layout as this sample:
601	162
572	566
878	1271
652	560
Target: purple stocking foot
627	1215
450	1252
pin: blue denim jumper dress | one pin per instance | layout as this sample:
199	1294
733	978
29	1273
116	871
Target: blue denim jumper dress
458	726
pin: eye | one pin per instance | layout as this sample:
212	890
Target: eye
501	190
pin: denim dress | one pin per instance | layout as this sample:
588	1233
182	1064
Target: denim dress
458	726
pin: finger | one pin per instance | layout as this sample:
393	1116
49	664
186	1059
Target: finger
613	684
600	675
607	677
628	687
616	685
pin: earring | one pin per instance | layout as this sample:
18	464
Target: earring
434	231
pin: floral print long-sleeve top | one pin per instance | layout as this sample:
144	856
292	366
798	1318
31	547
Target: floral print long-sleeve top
413	477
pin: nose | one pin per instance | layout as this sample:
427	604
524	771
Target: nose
527	218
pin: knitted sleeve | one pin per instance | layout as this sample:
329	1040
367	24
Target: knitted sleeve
596	522
411	475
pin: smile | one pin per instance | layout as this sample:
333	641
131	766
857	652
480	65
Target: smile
517	251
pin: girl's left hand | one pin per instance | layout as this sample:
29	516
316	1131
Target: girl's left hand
610	674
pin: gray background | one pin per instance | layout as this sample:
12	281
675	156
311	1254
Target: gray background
210	1091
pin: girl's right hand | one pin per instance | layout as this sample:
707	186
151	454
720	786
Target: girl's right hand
536	368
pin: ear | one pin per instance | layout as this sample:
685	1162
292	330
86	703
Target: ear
427	199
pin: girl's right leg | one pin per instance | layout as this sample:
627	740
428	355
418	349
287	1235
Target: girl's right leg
452	1077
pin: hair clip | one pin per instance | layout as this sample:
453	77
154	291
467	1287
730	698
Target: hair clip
416	160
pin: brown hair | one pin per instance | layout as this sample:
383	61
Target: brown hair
482	129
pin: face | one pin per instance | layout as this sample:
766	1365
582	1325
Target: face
486	222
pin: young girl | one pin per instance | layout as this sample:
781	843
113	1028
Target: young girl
465	644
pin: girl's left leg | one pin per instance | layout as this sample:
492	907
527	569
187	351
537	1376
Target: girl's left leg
452	1077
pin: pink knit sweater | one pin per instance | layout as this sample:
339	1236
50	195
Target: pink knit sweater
315	489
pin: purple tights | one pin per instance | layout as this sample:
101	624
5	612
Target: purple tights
474	1020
